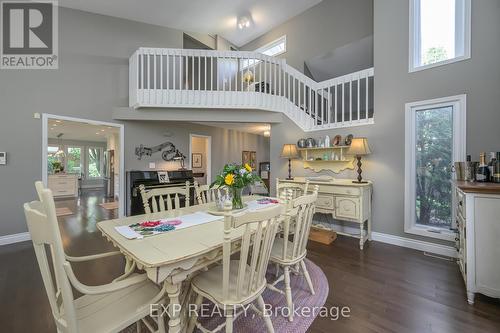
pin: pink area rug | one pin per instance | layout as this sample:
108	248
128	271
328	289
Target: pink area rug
302	299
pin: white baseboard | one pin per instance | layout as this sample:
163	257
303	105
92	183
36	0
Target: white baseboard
15	238
443	250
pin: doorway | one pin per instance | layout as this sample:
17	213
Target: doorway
200	158
83	164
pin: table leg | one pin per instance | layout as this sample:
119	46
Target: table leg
361	235
369	222
174	308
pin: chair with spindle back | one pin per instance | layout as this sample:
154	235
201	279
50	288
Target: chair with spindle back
291	253
154	199
298	189
205	194
237	283
104	308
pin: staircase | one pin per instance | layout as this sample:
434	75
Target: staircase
183	78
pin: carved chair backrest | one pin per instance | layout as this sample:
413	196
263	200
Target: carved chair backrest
166	198
300	211
44	230
258	230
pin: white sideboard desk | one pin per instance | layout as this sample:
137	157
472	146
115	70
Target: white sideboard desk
344	201
477	218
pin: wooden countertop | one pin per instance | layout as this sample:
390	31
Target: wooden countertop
475	187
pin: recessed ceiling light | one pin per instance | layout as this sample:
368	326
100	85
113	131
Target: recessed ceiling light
102	130
58	121
98	133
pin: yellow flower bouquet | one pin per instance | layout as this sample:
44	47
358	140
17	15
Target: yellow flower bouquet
235	178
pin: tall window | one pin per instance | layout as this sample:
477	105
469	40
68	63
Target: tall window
52	159
74	160
439	32
95	163
435	138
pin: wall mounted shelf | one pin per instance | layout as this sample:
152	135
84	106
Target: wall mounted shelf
310	155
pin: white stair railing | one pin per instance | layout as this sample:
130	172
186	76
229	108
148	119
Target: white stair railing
161	77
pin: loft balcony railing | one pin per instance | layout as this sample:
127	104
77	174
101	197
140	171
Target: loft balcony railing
169	78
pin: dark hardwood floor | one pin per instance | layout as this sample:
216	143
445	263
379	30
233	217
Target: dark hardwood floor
387	288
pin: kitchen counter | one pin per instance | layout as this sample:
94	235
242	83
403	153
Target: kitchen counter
476	187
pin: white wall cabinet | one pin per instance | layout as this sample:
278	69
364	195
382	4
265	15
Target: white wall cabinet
477	218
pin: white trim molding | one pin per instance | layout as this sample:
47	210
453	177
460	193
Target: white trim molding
462	36
15	238
209	154
121	127
459	151
443	250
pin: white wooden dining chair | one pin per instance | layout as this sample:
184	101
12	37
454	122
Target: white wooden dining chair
298	189
205	194
166	198
290	250
130	265
237	283
104	308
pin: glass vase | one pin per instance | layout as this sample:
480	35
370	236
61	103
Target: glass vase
237	197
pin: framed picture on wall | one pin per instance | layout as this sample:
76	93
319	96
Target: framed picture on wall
197	160
253	159
245	157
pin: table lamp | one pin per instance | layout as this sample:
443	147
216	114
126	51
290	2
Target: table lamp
289	151
359	147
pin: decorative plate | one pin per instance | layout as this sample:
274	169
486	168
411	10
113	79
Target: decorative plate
348	139
337	140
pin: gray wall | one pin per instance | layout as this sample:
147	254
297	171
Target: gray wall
91	81
227	145
321	29
478	77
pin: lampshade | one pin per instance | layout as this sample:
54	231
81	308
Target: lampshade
289	151
359	146
248	77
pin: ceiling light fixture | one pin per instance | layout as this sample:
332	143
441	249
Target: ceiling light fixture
244	21
267	134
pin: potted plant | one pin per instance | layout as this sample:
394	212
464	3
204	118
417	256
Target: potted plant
235	177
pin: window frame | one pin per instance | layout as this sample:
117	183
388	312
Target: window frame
271	44
414	36
87	162
459	152
255	62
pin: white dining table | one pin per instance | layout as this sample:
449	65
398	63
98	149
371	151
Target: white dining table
170	258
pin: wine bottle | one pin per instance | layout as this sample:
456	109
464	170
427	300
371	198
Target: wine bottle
496	170
491	164
483	172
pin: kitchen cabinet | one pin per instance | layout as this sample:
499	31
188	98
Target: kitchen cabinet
477	222
63	185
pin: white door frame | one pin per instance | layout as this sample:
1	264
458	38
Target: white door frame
45	143
209	154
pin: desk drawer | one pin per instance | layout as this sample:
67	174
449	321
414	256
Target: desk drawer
346	207
339	190
325	201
